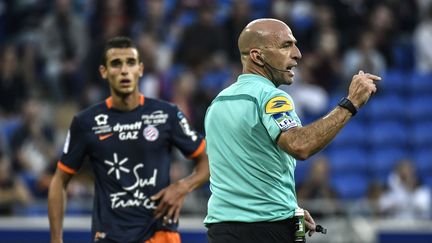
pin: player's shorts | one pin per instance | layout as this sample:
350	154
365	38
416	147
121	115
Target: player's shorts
240	232
161	236
164	237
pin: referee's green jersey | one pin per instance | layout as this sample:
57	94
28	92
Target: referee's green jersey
251	178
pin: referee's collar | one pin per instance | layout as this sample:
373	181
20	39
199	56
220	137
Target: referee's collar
255	78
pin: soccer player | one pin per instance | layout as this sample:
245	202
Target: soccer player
254	138
128	139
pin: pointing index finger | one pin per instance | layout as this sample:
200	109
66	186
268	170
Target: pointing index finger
373	77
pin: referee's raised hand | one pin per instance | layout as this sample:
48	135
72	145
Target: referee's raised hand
362	86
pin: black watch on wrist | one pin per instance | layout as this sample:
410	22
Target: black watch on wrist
347	104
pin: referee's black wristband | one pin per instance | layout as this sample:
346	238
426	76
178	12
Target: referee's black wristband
347	104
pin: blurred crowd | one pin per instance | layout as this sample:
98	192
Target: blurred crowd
50	52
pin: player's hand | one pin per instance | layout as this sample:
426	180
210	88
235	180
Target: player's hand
362	86
309	222
171	200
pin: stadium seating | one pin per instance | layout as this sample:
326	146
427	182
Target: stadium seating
355	134
301	171
383	161
394	81
348	161
350	186
420	108
387	107
420	84
388	134
423	161
421	135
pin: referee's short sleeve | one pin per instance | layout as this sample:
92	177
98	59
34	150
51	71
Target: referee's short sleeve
278	114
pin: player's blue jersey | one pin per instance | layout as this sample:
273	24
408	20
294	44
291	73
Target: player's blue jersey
130	153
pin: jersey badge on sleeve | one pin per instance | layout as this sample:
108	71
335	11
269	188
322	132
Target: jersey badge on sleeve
278	104
284	121
184	124
66	144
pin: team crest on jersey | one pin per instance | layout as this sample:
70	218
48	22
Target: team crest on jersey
151	133
101	119
278	104
284	121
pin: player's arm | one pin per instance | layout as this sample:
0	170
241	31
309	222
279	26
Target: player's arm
57	204
200	174
303	142
172	197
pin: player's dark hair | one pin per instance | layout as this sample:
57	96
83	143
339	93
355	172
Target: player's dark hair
117	42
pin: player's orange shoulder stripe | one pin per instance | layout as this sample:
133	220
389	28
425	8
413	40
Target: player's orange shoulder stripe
164	236
109	102
141	99
199	150
65	168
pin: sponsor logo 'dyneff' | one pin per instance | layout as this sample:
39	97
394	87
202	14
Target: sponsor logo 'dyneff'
127	127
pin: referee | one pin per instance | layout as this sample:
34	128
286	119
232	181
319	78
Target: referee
254	137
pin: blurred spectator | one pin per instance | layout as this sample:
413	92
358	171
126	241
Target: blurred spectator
325	55
154	20
384	28
12	84
31	63
375	192
422	41
364	57
2	20
33	148
201	41
407	198
317	187
408	13
240	15
369	206
311	100
13	192
156	57
22	18
64	50
184	90
112	16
